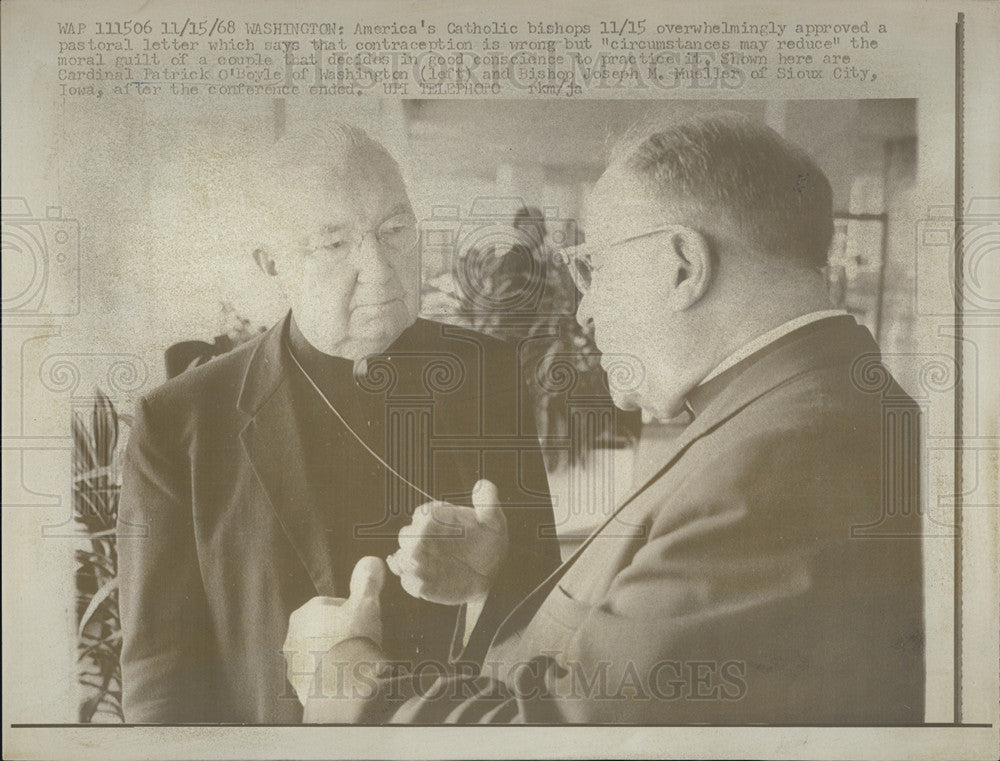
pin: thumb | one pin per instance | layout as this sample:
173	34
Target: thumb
367	578
486	502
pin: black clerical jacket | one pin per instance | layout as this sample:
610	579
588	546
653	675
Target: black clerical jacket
225	529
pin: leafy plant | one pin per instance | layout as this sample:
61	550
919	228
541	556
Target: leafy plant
97	472
96	489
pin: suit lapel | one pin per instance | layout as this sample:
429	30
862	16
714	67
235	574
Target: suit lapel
838	342
273	444
527	607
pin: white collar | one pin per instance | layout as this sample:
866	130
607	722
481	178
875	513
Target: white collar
769	337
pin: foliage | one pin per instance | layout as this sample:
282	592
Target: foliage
97	448
526	295
96	488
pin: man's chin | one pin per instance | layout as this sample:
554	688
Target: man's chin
625	402
385	316
365	346
376	338
377	306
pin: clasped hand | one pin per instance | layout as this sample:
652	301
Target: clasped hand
448	554
451	554
323	622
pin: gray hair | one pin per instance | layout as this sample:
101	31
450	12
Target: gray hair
728	168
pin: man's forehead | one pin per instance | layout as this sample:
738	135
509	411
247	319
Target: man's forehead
311	200
359	180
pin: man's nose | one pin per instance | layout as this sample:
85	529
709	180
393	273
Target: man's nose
372	263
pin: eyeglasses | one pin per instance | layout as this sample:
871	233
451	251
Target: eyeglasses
578	258
397	234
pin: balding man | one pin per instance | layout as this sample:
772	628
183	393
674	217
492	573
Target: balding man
744	580
265	475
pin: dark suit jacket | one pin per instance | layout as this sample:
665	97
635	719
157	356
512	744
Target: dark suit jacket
770	572
221	538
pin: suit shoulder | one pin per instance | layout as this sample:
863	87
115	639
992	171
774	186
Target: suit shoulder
827	400
218	379
815	430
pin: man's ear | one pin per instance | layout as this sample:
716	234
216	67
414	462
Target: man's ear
265	261
691	268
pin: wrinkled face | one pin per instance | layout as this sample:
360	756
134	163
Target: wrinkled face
351	269
627	298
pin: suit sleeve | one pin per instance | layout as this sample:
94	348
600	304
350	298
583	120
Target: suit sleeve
166	664
711	621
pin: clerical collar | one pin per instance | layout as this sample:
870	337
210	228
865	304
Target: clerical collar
314	359
702	395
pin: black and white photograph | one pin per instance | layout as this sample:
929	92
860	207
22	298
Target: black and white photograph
597	376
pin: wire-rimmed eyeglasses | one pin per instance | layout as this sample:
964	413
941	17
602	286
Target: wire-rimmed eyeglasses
398	233
578	258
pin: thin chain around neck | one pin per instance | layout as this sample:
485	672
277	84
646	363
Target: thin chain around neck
354	433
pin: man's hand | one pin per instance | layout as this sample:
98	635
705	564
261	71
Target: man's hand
326	621
451	554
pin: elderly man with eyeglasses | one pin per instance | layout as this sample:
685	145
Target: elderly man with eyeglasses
745	579
258	485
